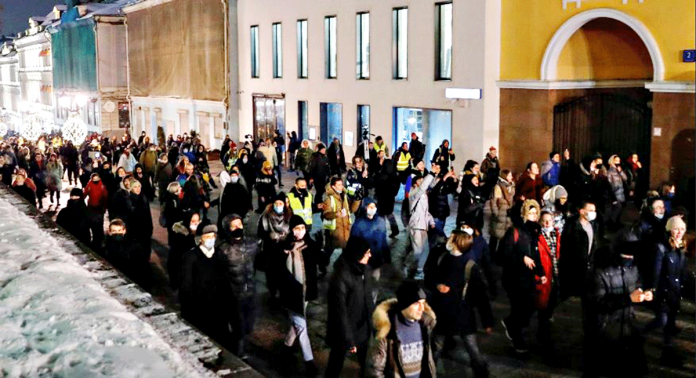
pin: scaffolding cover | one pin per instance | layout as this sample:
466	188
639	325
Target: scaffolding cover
177	49
74	57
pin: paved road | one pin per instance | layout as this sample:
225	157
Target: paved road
563	361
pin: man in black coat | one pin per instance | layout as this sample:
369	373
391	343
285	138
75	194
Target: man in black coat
350	306
445	183
386	188
205	290
125	254
240	252
577	251
417	148
140	218
235	199
337	159
319	172
74	218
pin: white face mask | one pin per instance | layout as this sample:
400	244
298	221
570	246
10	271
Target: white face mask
591	215
371	211
660	215
234	179
193	226
449	247
299	235
209	244
547	229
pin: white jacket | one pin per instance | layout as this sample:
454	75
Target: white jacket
418	205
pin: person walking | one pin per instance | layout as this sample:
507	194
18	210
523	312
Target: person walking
97	201
265	186
336	220
337	159
74	218
444	156
319	172
490	167
419	224
617	193
416	147
403	336
386	189
54	178
372	228
273	228
551	170
182	240
357	183
302	158
350	304
496	219
530	185
301	202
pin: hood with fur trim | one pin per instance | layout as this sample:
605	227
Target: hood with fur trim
381	318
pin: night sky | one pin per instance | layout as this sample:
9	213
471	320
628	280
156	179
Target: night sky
16	13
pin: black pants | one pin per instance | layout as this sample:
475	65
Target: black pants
522	307
320	188
337	357
280	178
243	319
96	225
442	343
57	193
545	315
72	173
665	318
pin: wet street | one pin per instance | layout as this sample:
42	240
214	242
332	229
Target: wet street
563	360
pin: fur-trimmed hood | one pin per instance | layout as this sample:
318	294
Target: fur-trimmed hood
382	318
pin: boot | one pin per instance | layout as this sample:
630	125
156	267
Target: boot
311	369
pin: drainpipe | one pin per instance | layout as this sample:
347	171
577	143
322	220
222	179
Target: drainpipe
128	96
96	56
226	99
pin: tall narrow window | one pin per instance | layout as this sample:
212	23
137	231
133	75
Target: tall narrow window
400	42
362	53
443	41
330	46
302	49
255	63
277	50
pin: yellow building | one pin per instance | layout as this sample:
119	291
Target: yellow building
603	76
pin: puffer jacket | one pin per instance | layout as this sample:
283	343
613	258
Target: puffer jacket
384	354
418	205
610	298
496	219
339	236
438	197
668	273
240	254
617	181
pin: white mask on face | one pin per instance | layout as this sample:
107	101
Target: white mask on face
371	211
234	179
591	215
193	226
547	229
299	235
660	215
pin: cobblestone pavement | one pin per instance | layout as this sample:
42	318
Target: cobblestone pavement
563	360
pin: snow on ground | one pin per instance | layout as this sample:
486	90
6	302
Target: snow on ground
56	319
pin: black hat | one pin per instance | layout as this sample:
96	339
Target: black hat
296	220
356	248
75	192
320	146
408	293
280	197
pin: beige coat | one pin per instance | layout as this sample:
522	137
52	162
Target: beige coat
339	237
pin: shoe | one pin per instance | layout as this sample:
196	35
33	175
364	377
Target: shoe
507	334
394	234
281	186
311	369
520	346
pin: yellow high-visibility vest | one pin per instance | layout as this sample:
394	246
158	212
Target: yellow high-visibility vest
403	161
305	211
331	224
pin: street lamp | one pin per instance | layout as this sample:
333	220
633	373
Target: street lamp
32	128
74	129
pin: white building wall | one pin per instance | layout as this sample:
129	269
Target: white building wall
9	91
476	44
36	77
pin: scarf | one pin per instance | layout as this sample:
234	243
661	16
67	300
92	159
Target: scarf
275	224
207	252
552	241
295	263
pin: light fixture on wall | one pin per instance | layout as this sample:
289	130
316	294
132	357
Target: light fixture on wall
32	128
74	129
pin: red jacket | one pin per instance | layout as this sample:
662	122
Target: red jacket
97	196
529	188
544	290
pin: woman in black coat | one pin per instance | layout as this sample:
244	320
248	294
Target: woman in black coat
140	219
471	201
183	239
387	187
349	325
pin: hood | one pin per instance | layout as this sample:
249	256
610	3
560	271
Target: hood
381	318
331	192
226	221
365	202
555	193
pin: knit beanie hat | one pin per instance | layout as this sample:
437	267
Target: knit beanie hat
408	293
295	221
281	196
320	146
76	192
209	229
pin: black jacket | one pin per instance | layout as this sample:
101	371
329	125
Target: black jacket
240	255
350	304
516	276
386	186
291	291
26	193
438	197
236	199
575	263
319	169
668	273
610	300
127	256
74	219
182	240
337	159
417	149
140	217
443	157
205	293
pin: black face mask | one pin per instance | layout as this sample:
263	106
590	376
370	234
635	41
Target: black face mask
626	262
304	192
238	233
118	237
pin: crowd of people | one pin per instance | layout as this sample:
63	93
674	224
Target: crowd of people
546	229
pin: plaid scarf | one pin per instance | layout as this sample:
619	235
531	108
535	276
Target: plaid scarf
552	241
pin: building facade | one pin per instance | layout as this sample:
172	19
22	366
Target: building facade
178	68
607	76
90	67
389	68
9	87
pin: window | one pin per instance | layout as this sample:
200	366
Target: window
302	49
303	130
443	44
362	54
400	42
277	50
364	125
255	63
330	46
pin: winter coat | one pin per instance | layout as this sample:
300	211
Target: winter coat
338	237
544	290
668	274
148	159
241	254
337	159
163	176
386	186
140	220
496	219
349	304
182	240
617	182
575	262
37	172
418	206
375	232
610	301
319	169
417	149
265	186
302	158
128	162
97	196
520	242
470	204
438	197
73	218
490	166
550	173
26	192
235	199
357	186
384	355
267	260
292	293
146	185
205	292
120	206
270	154
54	176
127	256
443	157
529	188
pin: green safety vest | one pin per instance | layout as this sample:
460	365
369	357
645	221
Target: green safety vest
331	224
403	161
305	211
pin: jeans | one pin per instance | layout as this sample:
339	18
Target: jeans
421	250
299	330
441	343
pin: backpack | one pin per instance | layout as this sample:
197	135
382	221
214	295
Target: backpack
499	255
467	273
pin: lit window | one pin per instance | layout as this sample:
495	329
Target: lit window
330	46
443	37
400	42
362	54
277	50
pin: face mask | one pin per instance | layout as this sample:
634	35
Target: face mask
245	159
371	212
118	237
659	216
304	192
237	233
547	229
299	235
670	195
592	215
468	230
234	179
209	244
278	209
339	191
449	247
193	226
